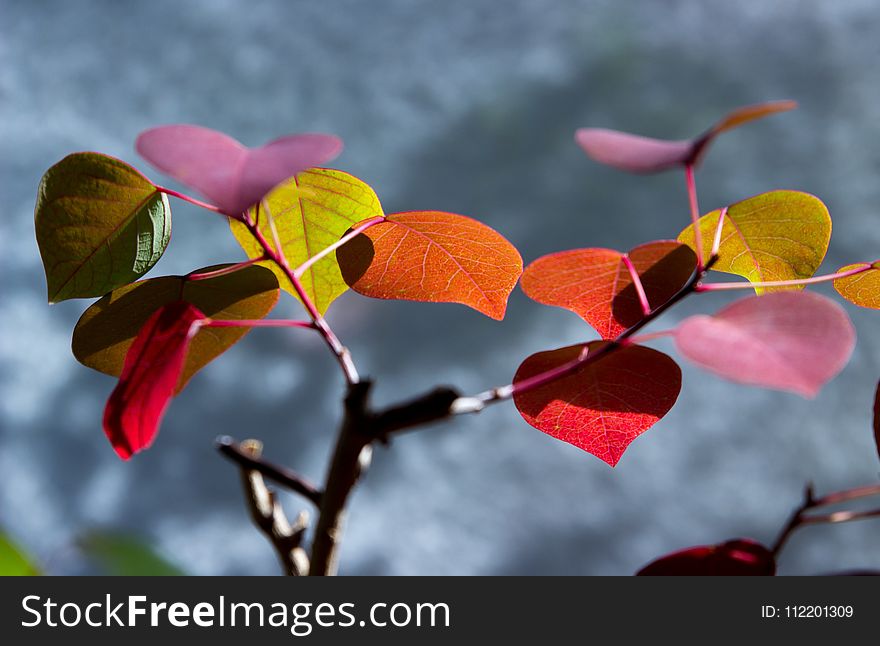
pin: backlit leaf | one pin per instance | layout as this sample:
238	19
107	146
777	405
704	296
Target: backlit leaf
13	561
740	557
605	405
311	212
795	341
861	289
121	555
231	175
781	235
107	329
152	369
436	257
638	154
100	224
596	285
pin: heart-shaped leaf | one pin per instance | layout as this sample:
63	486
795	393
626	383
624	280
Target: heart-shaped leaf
862	289
231	175
795	341
152	369
433	256
781	235
606	404
311	212
100	224
739	557
596	285
638	154
107	329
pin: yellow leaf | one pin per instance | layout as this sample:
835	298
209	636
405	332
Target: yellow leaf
781	235
311	212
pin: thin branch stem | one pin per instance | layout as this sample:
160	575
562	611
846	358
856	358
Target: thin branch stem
343	356
801	517
650	336
714	287
299	271
269	516
246	459
187	198
231	269
695	213
716	242
257	323
637	283
476	403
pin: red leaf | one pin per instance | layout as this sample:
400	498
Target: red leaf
877	419
152	368
795	341
433	256
740	557
606	404
596	285
231	175
638	154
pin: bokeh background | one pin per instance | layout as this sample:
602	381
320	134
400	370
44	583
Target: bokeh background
467	106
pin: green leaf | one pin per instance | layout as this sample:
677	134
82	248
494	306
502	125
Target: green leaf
120	555
781	235
107	329
312	211
13	561
100	224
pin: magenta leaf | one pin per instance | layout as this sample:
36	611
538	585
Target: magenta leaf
740	557
633	153
794	341
638	154
152	368
231	175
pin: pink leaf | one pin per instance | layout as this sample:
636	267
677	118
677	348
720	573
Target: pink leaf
740	557
149	376
795	341
228	173
638	154
633	153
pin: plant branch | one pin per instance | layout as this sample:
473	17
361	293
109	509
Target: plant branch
476	403
801	517
714	287
637	283
187	198
343	356
299	271
695	213
231	269
268	514
257	323
247	459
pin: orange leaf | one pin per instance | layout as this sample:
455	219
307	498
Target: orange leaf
433	256
596	285
861	289
605	405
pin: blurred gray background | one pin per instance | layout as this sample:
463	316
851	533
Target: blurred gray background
468	106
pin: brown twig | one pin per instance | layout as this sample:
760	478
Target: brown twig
283	476
801	517
269	516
